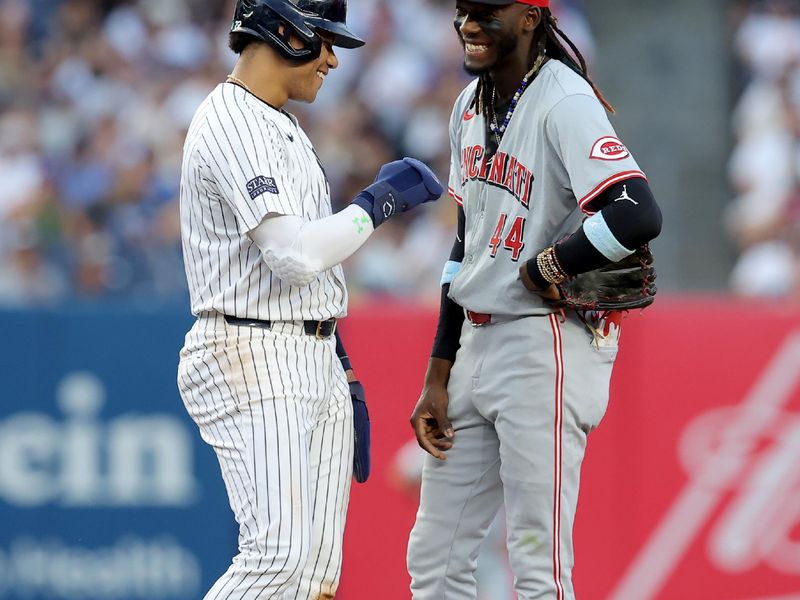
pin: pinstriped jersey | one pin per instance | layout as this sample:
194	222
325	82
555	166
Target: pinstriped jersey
558	153
244	160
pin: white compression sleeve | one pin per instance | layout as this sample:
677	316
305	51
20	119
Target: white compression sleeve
297	250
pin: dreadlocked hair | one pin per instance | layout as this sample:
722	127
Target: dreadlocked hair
548	41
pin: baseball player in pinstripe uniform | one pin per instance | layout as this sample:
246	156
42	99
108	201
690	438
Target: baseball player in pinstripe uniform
513	389
260	372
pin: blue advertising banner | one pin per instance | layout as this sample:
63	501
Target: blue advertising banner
107	491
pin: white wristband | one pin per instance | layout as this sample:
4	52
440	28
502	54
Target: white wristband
601	237
451	269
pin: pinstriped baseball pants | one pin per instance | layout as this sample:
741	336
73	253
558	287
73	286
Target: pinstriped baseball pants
275	406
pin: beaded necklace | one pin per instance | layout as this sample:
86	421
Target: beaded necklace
498	131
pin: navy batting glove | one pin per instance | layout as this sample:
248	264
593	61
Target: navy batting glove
400	186
361	432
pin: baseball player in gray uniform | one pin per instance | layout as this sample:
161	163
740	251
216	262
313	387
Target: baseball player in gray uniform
545	191
260	373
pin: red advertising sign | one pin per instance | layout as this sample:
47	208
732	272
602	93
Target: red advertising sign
691	485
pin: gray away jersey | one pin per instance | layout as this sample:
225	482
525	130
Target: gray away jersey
558	154
242	161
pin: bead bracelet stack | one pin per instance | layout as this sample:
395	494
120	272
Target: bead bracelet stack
549	267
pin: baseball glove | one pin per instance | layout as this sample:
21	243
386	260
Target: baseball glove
624	285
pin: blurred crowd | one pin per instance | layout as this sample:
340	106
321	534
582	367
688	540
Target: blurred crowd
764	217
95	99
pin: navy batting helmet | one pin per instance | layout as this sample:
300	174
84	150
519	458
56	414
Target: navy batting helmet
262	19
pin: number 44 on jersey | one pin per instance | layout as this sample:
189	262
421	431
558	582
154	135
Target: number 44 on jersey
512	241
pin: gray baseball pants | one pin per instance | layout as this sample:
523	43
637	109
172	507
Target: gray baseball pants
524	394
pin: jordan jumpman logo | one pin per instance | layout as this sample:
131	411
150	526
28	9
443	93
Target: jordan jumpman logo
625	196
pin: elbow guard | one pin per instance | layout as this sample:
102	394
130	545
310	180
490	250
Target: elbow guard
292	267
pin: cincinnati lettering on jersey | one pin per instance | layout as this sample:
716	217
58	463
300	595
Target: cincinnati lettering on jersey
504	171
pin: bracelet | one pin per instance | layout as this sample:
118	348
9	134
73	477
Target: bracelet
549	266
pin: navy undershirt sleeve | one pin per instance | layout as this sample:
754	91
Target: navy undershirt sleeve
342	353
451	315
631	213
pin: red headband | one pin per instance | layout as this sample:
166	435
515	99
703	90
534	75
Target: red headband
539	3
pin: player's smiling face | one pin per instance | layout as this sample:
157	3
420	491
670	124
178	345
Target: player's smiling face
488	33
306	79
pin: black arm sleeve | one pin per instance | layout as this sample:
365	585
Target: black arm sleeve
457	253
342	353
451	316
631	213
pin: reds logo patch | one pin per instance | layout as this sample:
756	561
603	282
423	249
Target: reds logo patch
609	148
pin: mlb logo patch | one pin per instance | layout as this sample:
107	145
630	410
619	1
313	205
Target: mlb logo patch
261	185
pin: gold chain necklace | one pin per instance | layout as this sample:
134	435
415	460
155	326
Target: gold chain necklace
238	82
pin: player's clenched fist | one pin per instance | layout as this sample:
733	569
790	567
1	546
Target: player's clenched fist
431	425
400	186
430	422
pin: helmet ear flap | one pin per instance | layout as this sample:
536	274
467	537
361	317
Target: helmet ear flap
310	39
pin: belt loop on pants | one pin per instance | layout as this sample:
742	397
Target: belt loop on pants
318	329
478	319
